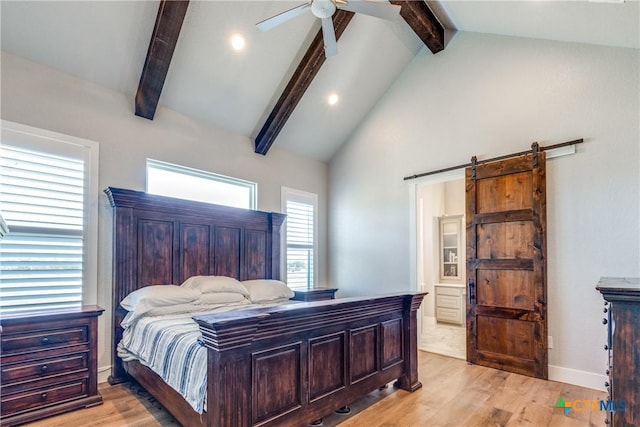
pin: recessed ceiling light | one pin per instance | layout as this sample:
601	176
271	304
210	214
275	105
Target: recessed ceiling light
237	42
333	99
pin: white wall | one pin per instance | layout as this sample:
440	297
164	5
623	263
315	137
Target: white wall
489	95
433	200
430	204
48	99
454	198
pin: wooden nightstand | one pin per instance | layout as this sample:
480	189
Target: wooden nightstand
317	294
48	363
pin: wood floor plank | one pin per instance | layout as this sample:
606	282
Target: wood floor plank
531	415
454	393
487	416
461	410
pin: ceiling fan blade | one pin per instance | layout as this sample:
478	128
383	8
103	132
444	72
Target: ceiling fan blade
280	18
383	10
329	36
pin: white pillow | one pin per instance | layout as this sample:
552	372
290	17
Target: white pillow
275	302
262	290
132	316
208	302
208	284
220	298
148	297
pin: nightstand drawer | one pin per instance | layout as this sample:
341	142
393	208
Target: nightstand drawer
42	368
452	290
448	315
447	301
13	343
19	402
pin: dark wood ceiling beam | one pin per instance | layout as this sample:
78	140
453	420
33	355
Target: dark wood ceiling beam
423	22
165	34
298	84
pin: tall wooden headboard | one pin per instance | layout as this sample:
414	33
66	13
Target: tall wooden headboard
162	240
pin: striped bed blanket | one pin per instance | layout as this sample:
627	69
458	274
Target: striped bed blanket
171	346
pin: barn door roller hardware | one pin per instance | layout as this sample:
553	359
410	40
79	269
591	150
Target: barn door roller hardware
535	149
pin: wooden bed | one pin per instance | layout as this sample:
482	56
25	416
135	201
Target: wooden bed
285	365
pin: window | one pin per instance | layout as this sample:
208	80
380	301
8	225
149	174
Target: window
48	192
300	257
166	179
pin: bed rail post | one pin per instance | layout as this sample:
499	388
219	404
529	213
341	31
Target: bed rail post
409	381
123	274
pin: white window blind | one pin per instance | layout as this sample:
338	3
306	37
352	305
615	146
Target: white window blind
166	179
300	208
43	199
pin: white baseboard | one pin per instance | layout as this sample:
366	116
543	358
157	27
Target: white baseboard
576	377
103	373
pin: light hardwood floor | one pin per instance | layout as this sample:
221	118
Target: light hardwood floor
453	394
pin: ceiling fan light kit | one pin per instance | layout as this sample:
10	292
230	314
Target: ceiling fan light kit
325	9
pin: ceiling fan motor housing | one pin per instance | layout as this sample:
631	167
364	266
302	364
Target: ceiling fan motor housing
323	8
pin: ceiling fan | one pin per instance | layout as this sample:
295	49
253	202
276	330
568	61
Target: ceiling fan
324	9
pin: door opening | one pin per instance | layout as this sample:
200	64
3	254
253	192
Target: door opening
440	262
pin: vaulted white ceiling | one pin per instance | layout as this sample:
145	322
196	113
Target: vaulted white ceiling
106	42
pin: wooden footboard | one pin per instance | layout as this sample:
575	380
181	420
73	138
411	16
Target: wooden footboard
293	364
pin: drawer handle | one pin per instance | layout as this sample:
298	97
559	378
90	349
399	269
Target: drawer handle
44	368
43	396
45	340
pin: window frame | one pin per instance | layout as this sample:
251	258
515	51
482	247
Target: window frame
29	137
199	173
300	196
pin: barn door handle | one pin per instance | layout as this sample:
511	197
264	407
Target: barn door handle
470	291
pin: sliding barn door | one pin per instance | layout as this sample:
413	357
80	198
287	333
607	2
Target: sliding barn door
506	265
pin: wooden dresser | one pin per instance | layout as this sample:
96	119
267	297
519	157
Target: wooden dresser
622	316
48	363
